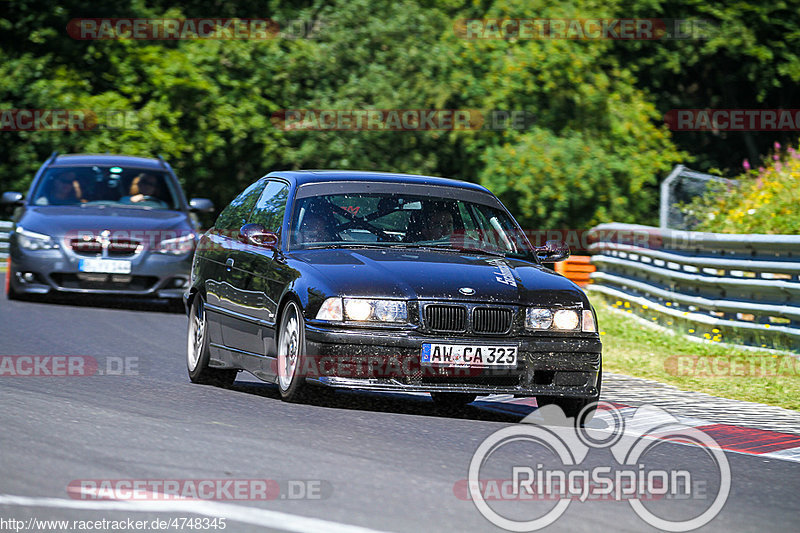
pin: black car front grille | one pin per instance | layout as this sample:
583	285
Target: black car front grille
491	320
446	318
468	318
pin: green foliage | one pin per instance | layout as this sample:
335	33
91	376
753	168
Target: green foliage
595	152
766	200
748	57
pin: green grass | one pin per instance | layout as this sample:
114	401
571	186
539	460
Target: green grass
636	349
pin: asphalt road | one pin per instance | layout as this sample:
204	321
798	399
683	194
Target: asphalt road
381	462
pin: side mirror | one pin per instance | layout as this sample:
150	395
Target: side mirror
12	198
201	205
256	235
552	251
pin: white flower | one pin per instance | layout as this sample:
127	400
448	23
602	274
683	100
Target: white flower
751	211
712	216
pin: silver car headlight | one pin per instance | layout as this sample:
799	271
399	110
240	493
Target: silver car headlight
30	240
363	310
177	245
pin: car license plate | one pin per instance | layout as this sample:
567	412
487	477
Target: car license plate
468	355
105	266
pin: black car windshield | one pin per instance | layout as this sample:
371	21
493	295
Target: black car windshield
103	185
399	220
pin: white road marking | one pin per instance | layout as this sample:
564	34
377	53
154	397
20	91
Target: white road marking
248	515
789	454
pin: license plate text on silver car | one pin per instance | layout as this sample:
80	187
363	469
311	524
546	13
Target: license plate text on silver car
105	266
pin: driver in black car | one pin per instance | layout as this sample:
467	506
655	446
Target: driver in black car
439	226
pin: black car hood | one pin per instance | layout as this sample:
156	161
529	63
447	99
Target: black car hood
423	274
60	220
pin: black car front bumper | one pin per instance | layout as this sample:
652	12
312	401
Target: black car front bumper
547	365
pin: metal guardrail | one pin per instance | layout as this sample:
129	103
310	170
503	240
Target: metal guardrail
5	229
742	289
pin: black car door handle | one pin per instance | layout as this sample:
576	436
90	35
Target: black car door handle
229	264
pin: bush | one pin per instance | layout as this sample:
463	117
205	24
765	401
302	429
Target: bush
766	200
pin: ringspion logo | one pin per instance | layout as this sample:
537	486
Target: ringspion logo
561	472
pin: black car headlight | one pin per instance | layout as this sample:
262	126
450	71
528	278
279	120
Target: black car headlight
538	318
363	310
30	240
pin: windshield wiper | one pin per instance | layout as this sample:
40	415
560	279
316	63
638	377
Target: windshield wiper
443	248
406	245
349	244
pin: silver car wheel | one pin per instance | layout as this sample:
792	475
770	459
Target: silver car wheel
196	336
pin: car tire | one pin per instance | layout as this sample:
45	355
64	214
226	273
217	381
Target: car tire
452	399
197	351
575	407
291	354
11	293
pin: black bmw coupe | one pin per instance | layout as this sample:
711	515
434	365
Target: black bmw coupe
387	282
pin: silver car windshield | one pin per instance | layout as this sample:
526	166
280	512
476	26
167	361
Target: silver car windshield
96	185
398	220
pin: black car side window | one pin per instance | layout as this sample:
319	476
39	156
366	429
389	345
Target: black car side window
235	215
271	206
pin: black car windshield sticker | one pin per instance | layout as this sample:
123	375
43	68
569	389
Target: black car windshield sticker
503	273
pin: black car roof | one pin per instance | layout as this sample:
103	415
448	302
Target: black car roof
315	176
108	159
